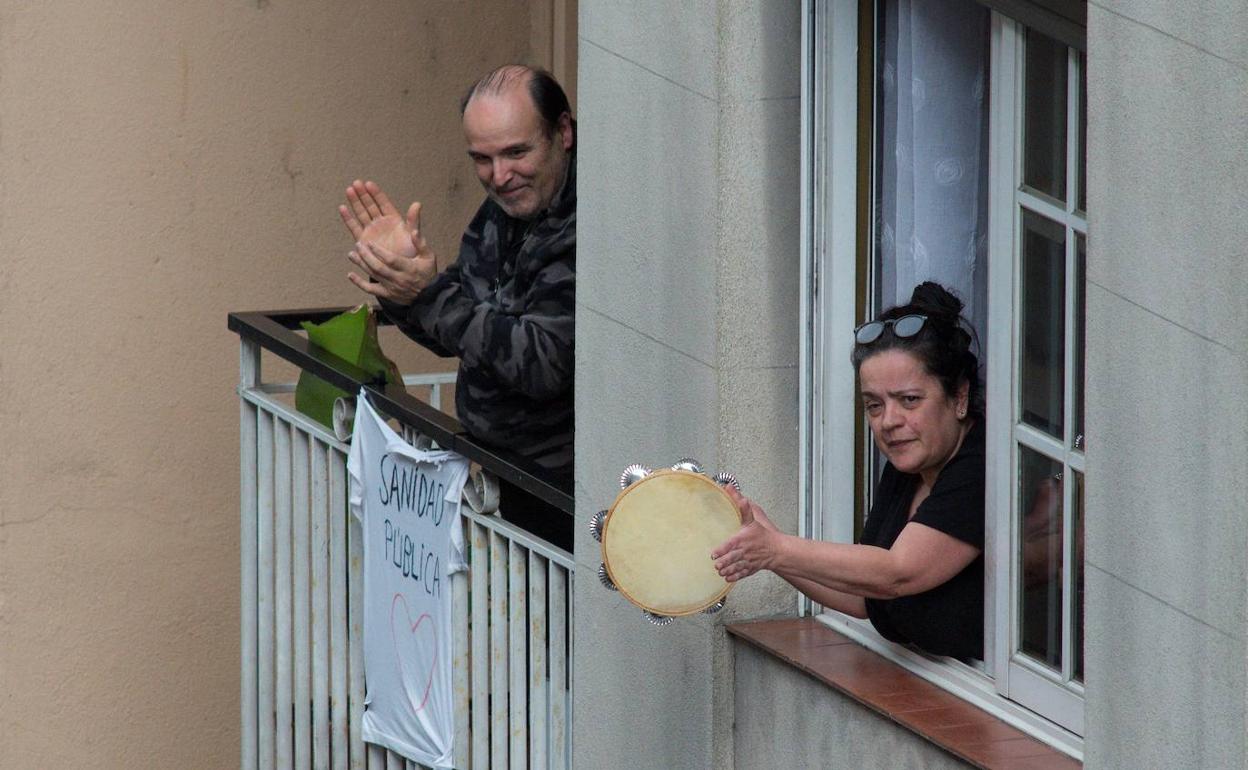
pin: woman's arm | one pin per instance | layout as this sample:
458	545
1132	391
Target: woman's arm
854	606
836	600
920	559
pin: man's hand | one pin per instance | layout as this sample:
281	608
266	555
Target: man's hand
394	253
365	202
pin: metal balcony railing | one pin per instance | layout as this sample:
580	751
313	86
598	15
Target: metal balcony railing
302	672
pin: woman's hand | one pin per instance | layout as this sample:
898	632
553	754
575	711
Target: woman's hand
749	509
751	548
756	545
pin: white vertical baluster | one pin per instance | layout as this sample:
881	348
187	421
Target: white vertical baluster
559	690
570	578
480	630
355	641
248	586
394	761
320	605
264	591
460	655
377	757
498	651
339	651
284	700
435	395
517	604
537	662
301	596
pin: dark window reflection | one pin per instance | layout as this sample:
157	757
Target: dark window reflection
1040	557
1083	133
1077	439
1078	565
1044	115
1043	295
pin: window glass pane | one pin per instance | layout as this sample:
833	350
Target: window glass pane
1078	566
1043	292
1077	439
1083	133
1040	557
1044	115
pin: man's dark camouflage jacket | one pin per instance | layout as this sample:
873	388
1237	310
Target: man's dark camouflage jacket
505	307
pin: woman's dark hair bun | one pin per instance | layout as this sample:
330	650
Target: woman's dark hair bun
935	300
944	345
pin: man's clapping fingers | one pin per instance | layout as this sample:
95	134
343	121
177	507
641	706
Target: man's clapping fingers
365	202
348	219
423	252
396	277
371	287
394	260
376	261
375	202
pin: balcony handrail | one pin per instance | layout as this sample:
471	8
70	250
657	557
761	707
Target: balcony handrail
273	330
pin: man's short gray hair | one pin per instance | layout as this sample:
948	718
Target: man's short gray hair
548	96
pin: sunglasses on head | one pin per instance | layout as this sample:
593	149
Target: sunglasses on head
906	326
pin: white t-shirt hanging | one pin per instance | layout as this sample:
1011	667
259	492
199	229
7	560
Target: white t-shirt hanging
407	501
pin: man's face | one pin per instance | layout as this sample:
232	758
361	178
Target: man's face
518	164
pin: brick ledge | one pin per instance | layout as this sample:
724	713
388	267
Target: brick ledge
942	718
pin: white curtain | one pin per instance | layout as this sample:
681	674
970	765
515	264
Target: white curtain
932	152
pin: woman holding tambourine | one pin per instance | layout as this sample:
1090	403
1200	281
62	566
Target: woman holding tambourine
918	572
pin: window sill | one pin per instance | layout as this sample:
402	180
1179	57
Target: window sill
923	708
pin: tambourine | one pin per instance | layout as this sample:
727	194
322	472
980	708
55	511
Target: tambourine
658	535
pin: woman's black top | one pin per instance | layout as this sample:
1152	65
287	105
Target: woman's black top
948	619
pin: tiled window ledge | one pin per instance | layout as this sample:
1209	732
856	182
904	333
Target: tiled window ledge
913	703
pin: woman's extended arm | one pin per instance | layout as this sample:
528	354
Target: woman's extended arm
840	601
920	559
836	600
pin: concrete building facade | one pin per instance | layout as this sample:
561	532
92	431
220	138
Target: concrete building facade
689	343
686	309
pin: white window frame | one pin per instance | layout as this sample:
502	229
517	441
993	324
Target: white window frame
827	391
1028	683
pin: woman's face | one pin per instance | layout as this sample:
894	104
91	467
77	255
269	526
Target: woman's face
914	423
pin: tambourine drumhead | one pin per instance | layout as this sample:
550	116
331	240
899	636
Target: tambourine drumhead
658	538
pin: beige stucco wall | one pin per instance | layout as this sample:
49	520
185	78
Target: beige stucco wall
162	164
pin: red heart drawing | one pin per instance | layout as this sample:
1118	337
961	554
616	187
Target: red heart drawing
406	630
